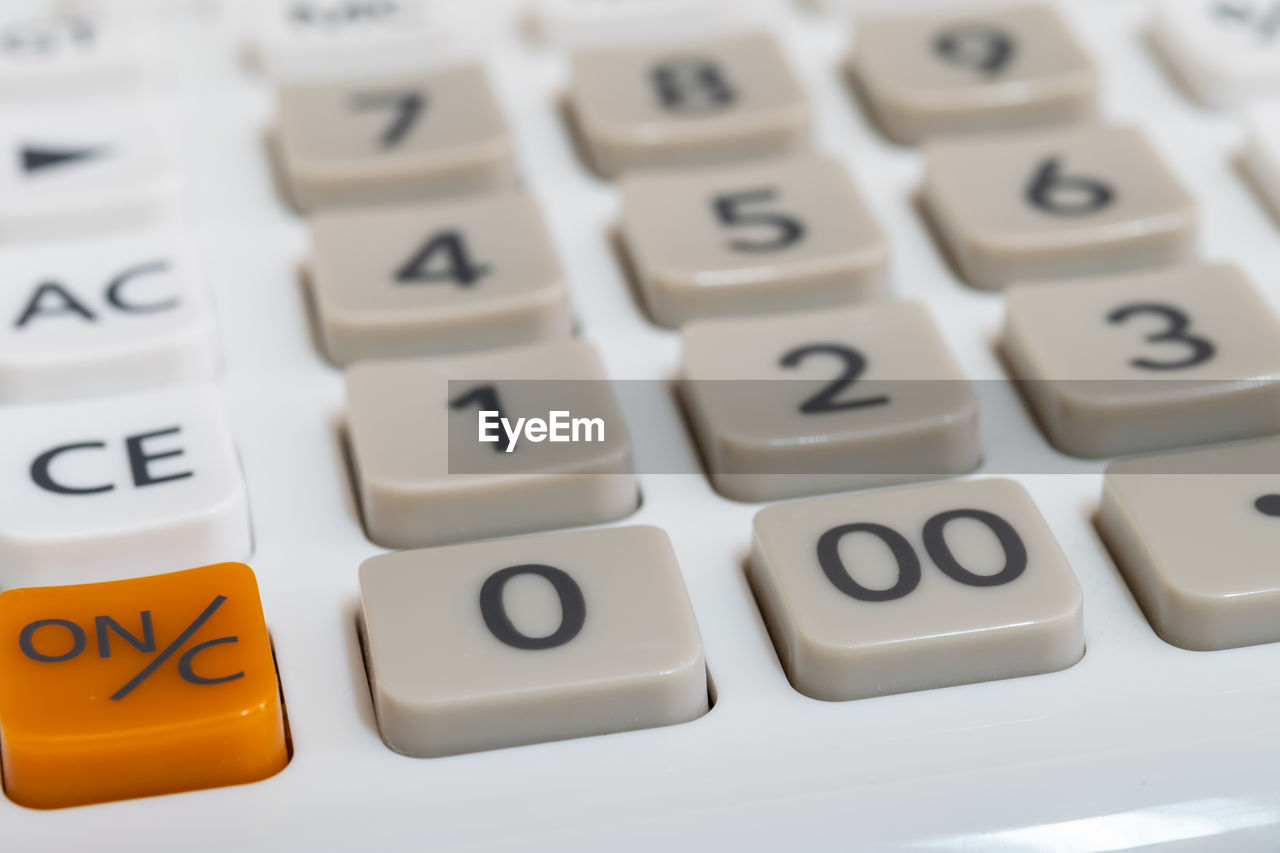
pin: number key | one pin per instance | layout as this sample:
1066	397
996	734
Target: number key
437	277
705	102
750	239
1077	201
1146	361
535	639
988	69
391	139
804	403
911	589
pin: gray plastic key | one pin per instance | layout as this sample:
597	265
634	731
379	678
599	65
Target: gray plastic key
447	276
1146	361
746	239
393	139
424	476
519	641
911	589
976	69
1072	201
1195	534
698	103
804	403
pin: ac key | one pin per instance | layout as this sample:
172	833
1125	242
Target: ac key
113	315
137	687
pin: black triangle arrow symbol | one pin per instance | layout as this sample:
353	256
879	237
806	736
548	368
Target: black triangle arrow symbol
37	157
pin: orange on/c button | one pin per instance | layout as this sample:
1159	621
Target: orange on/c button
137	687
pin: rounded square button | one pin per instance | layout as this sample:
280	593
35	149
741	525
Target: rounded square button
400	138
1225	53
1002	67
102	316
803	403
1074	201
747	239
435	463
433	278
118	487
1146	361
542	638
137	687
696	103
1195	535
912	589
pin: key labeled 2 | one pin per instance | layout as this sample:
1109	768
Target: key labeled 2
1146	361
912	589
137	687
1037	204
102	316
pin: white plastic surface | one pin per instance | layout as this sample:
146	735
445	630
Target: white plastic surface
1139	744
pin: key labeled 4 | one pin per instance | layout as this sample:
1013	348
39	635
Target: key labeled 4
137	687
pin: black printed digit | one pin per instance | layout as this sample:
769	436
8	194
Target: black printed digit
1175	332
485	399
406	108
1066	195
444	257
825	400
573	607
980	47
935	543
691	85
778	230
836	571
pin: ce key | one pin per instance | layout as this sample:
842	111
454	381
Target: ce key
137	687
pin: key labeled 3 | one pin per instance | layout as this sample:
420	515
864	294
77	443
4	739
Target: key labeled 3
400	138
698	103
1076	201
137	687
912	589
535	639
778	234
432	278
117	487
805	403
90	168
1146	361
985	69
102	316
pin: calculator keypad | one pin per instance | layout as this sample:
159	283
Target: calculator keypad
977	69
746	239
803	403
439	277
1146	361
424	477
392	138
1195	535
1072	201
698	103
118	487
912	589
102	316
518	641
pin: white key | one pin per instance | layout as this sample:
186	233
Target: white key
119	487
592	23
102	316
97	167
47	49
340	39
1225	52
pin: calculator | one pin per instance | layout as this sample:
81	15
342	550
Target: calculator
581	424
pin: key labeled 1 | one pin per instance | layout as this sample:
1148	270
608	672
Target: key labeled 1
137	687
